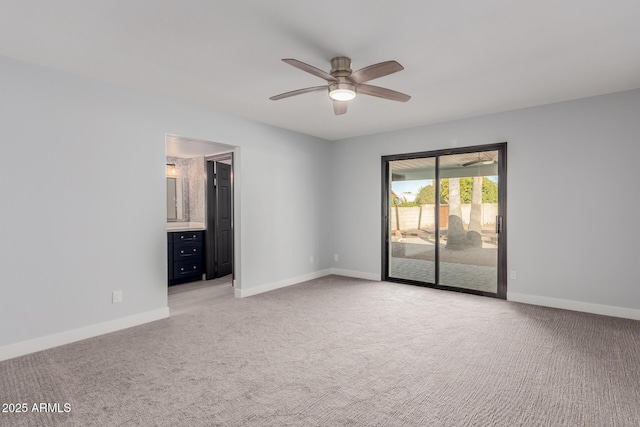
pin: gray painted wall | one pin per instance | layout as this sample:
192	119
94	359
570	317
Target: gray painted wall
582	154
81	150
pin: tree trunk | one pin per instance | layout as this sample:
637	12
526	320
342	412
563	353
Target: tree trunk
454	197
456	235
475	223
474	235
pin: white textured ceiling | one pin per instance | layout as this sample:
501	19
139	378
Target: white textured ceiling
462	58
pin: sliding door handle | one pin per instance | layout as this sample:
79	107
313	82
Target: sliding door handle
498	224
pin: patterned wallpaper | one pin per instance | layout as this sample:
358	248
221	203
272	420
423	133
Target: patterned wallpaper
192	173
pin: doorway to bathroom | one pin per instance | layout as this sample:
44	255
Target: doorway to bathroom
200	213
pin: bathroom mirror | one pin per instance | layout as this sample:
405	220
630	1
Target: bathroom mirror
172	209
175	199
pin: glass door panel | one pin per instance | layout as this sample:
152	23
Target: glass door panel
468	221
412	219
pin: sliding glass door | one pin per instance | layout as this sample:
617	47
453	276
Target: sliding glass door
444	219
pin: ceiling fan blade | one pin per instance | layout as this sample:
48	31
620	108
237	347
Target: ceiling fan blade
310	69
479	162
340	107
472	163
298	92
381	92
375	71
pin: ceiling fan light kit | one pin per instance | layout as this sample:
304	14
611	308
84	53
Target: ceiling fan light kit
342	91
344	84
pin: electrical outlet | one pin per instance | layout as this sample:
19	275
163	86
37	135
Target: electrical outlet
513	275
116	297
311	259
336	258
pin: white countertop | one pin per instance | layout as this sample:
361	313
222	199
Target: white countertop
185	226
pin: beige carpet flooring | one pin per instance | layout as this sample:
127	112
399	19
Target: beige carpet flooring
340	352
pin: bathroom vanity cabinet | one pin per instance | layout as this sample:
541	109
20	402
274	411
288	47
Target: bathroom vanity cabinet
185	255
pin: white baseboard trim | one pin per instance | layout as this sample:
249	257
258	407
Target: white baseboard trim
356	274
54	340
242	293
586	307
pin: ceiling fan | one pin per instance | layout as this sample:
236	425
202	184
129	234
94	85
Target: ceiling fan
344	84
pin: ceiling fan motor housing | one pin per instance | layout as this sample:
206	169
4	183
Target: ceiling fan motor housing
341	66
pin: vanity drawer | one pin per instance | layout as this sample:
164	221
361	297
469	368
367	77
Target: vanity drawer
187	236
187	250
187	268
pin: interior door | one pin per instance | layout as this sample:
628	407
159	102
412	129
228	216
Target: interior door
219	220
224	233
445	219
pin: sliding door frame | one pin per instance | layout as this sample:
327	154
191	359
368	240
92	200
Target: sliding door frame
501	148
